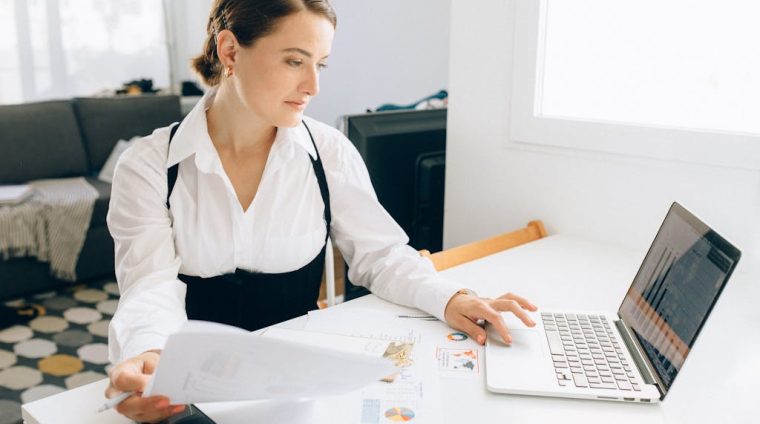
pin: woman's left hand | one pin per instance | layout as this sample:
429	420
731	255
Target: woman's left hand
465	310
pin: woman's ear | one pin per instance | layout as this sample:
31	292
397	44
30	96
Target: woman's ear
226	47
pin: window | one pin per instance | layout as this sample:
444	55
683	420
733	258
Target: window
676	80
64	48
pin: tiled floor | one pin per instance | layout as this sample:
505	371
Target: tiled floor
66	346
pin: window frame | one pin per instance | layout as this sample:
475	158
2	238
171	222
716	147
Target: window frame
530	131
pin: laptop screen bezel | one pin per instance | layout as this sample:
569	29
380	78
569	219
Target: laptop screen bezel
716	240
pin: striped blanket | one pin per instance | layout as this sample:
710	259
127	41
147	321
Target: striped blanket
51	225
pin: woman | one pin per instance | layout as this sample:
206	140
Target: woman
226	216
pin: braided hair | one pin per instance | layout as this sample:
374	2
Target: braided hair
248	20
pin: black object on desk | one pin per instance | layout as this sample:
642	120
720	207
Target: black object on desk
405	155
191	415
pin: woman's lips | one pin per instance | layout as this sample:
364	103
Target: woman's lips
297	105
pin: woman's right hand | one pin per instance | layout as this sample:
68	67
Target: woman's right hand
133	375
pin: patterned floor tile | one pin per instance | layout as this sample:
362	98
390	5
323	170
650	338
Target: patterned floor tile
73	338
96	353
59	303
64	347
7	359
20	377
39	392
90	296
16	334
107	306
49	324
82	378
46	295
111	287
82	315
10	412
60	365
99	328
35	348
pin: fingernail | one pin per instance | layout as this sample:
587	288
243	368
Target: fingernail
178	408
481	339
509	339
532	323
161	404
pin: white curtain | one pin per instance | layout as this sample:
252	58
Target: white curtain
62	48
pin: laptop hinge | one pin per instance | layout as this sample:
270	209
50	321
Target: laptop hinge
642	363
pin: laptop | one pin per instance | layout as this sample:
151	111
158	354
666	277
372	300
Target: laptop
633	355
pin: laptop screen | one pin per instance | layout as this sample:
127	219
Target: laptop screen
675	289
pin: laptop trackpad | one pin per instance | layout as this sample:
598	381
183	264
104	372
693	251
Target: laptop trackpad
523	363
524	342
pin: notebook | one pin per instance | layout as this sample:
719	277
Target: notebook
14	194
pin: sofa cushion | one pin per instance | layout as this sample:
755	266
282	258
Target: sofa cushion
100	210
104	121
40	140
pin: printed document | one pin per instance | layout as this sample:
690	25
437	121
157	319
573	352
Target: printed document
210	362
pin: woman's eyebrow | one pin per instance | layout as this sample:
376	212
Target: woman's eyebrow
298	50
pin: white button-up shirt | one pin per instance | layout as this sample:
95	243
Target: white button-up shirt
207	233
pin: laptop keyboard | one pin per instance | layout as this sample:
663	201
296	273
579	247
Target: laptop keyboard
586	353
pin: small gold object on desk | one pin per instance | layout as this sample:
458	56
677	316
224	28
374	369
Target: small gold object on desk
401	355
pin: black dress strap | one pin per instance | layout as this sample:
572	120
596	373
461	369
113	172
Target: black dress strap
171	173
319	171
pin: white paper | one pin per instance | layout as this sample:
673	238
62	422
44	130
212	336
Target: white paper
208	362
415	394
14	194
347	344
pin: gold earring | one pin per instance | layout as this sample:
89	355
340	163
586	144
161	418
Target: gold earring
227	71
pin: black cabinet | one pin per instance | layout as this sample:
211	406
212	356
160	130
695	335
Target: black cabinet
405	156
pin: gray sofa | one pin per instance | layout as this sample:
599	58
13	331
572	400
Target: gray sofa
69	138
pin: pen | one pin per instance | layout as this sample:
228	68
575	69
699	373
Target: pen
426	317
110	403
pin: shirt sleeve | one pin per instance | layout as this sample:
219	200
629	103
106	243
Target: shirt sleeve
373	244
152	299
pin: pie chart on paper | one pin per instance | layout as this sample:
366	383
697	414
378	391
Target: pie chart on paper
399	415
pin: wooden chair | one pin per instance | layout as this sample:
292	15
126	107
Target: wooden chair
478	249
333	277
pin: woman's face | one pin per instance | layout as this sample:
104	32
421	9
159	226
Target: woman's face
277	76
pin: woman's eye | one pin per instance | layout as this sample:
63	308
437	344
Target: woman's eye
322	66
294	63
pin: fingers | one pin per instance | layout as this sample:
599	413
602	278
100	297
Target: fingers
514	307
127	377
494	317
152	409
150	361
133	374
462	312
473	330
523	302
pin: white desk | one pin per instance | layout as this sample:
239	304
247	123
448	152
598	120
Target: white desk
717	384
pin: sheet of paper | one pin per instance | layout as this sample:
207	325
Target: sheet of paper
13	194
347	344
208	362
415	393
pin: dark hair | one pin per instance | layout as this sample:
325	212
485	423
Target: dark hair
249	20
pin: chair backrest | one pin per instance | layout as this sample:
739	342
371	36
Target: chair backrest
478	249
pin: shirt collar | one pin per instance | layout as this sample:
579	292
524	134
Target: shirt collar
192	138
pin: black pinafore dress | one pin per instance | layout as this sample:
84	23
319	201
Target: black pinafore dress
254	300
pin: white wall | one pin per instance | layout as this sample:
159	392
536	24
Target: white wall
188	19
394	51
390	51
617	199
